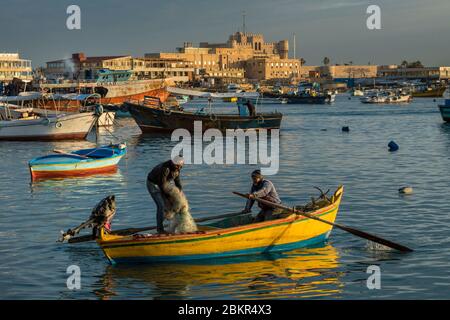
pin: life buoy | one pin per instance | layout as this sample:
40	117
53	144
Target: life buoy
58	124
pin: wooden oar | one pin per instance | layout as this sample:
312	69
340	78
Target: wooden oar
70	154
353	231
130	231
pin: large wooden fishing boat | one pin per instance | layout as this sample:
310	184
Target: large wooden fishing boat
154	119
114	87
303	98
436	92
216	241
153	116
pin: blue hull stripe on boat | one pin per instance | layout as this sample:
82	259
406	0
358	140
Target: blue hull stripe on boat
92	164
282	247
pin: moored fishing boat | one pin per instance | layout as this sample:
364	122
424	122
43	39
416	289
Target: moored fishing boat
153	116
306	97
35	126
429	92
283	234
78	163
386	97
357	93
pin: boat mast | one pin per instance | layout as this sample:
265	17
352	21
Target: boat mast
294	44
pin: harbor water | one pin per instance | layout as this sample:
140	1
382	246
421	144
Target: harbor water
314	151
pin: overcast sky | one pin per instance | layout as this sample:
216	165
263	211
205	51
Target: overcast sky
411	29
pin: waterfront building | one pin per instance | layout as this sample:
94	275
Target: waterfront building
153	68
395	72
80	67
244	55
272	68
12	66
338	72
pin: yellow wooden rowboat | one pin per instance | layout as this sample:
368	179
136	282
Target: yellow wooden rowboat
291	232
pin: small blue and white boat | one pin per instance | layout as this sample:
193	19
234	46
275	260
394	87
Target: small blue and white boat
78	163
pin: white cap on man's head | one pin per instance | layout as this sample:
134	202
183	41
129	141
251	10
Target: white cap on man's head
178	161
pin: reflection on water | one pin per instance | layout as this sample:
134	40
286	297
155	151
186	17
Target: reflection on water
88	181
304	273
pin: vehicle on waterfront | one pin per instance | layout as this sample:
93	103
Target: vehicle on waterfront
27	123
152	115
78	163
225	238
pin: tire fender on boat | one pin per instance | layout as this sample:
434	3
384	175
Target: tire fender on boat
213	117
260	119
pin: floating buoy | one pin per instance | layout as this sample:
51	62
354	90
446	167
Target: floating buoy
393	146
405	190
349	98
345	129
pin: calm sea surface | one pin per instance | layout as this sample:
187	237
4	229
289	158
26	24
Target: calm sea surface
313	152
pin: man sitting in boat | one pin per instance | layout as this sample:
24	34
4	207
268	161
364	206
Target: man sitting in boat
264	189
158	185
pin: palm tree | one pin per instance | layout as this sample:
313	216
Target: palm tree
416	64
302	61
404	63
326	61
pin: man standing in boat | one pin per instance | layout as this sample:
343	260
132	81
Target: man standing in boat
158	184
251	108
264	189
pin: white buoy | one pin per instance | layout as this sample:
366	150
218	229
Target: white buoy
405	190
